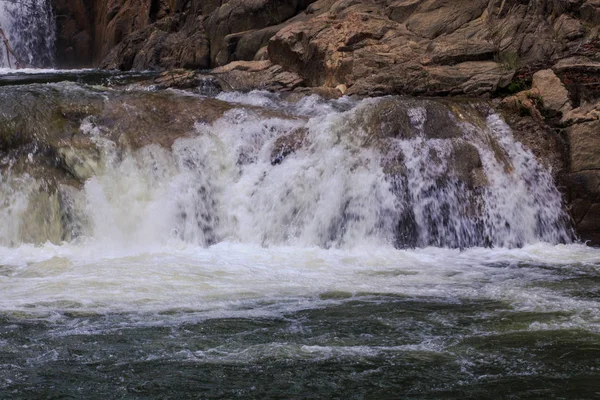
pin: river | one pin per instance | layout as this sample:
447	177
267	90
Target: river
356	262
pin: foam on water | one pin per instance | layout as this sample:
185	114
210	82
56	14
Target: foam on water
224	184
215	226
247	280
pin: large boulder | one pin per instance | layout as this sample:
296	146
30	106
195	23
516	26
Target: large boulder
584	140
584	179
552	91
372	47
246	16
55	127
161	46
248	75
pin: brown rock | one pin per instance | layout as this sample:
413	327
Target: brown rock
584	193
584	140
237	16
552	91
249	75
588	227
586	113
401	10
159	46
545	143
590	11
566	27
470	77
576	64
74	38
523	104
466	164
288	144
434	18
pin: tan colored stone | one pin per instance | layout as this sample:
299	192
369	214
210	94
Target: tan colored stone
584	140
552	91
566	27
249	75
586	113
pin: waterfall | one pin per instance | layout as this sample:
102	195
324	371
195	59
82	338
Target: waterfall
382	172
29	28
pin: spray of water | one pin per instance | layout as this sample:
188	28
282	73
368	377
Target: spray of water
29	28
334	186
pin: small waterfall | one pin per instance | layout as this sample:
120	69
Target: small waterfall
390	171
30	30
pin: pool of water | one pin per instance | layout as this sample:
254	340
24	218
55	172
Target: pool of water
242	321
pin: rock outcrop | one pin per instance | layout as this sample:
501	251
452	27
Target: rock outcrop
432	47
541	56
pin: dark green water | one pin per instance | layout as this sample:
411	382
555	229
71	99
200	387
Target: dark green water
371	346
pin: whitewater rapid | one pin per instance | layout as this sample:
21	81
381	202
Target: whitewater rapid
216	226
244	280
285	248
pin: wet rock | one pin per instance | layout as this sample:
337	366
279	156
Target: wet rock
41	221
74	39
545	143
143	118
588	226
584	180
324	92
176	78
465	164
584	195
394	117
287	144
82	162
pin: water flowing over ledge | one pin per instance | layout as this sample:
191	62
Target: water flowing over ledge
29	26
253	168
160	242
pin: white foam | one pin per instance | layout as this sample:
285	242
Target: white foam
212	226
100	278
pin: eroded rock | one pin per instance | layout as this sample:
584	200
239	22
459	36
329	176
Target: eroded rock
249	75
553	93
584	140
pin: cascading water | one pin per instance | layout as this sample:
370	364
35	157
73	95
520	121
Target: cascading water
225	183
29	28
164	244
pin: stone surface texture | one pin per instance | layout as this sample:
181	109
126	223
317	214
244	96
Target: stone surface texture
539	60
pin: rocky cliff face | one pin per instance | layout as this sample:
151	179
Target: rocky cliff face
432	47
541	56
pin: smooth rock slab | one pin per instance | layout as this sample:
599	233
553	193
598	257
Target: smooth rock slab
553	92
584	140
